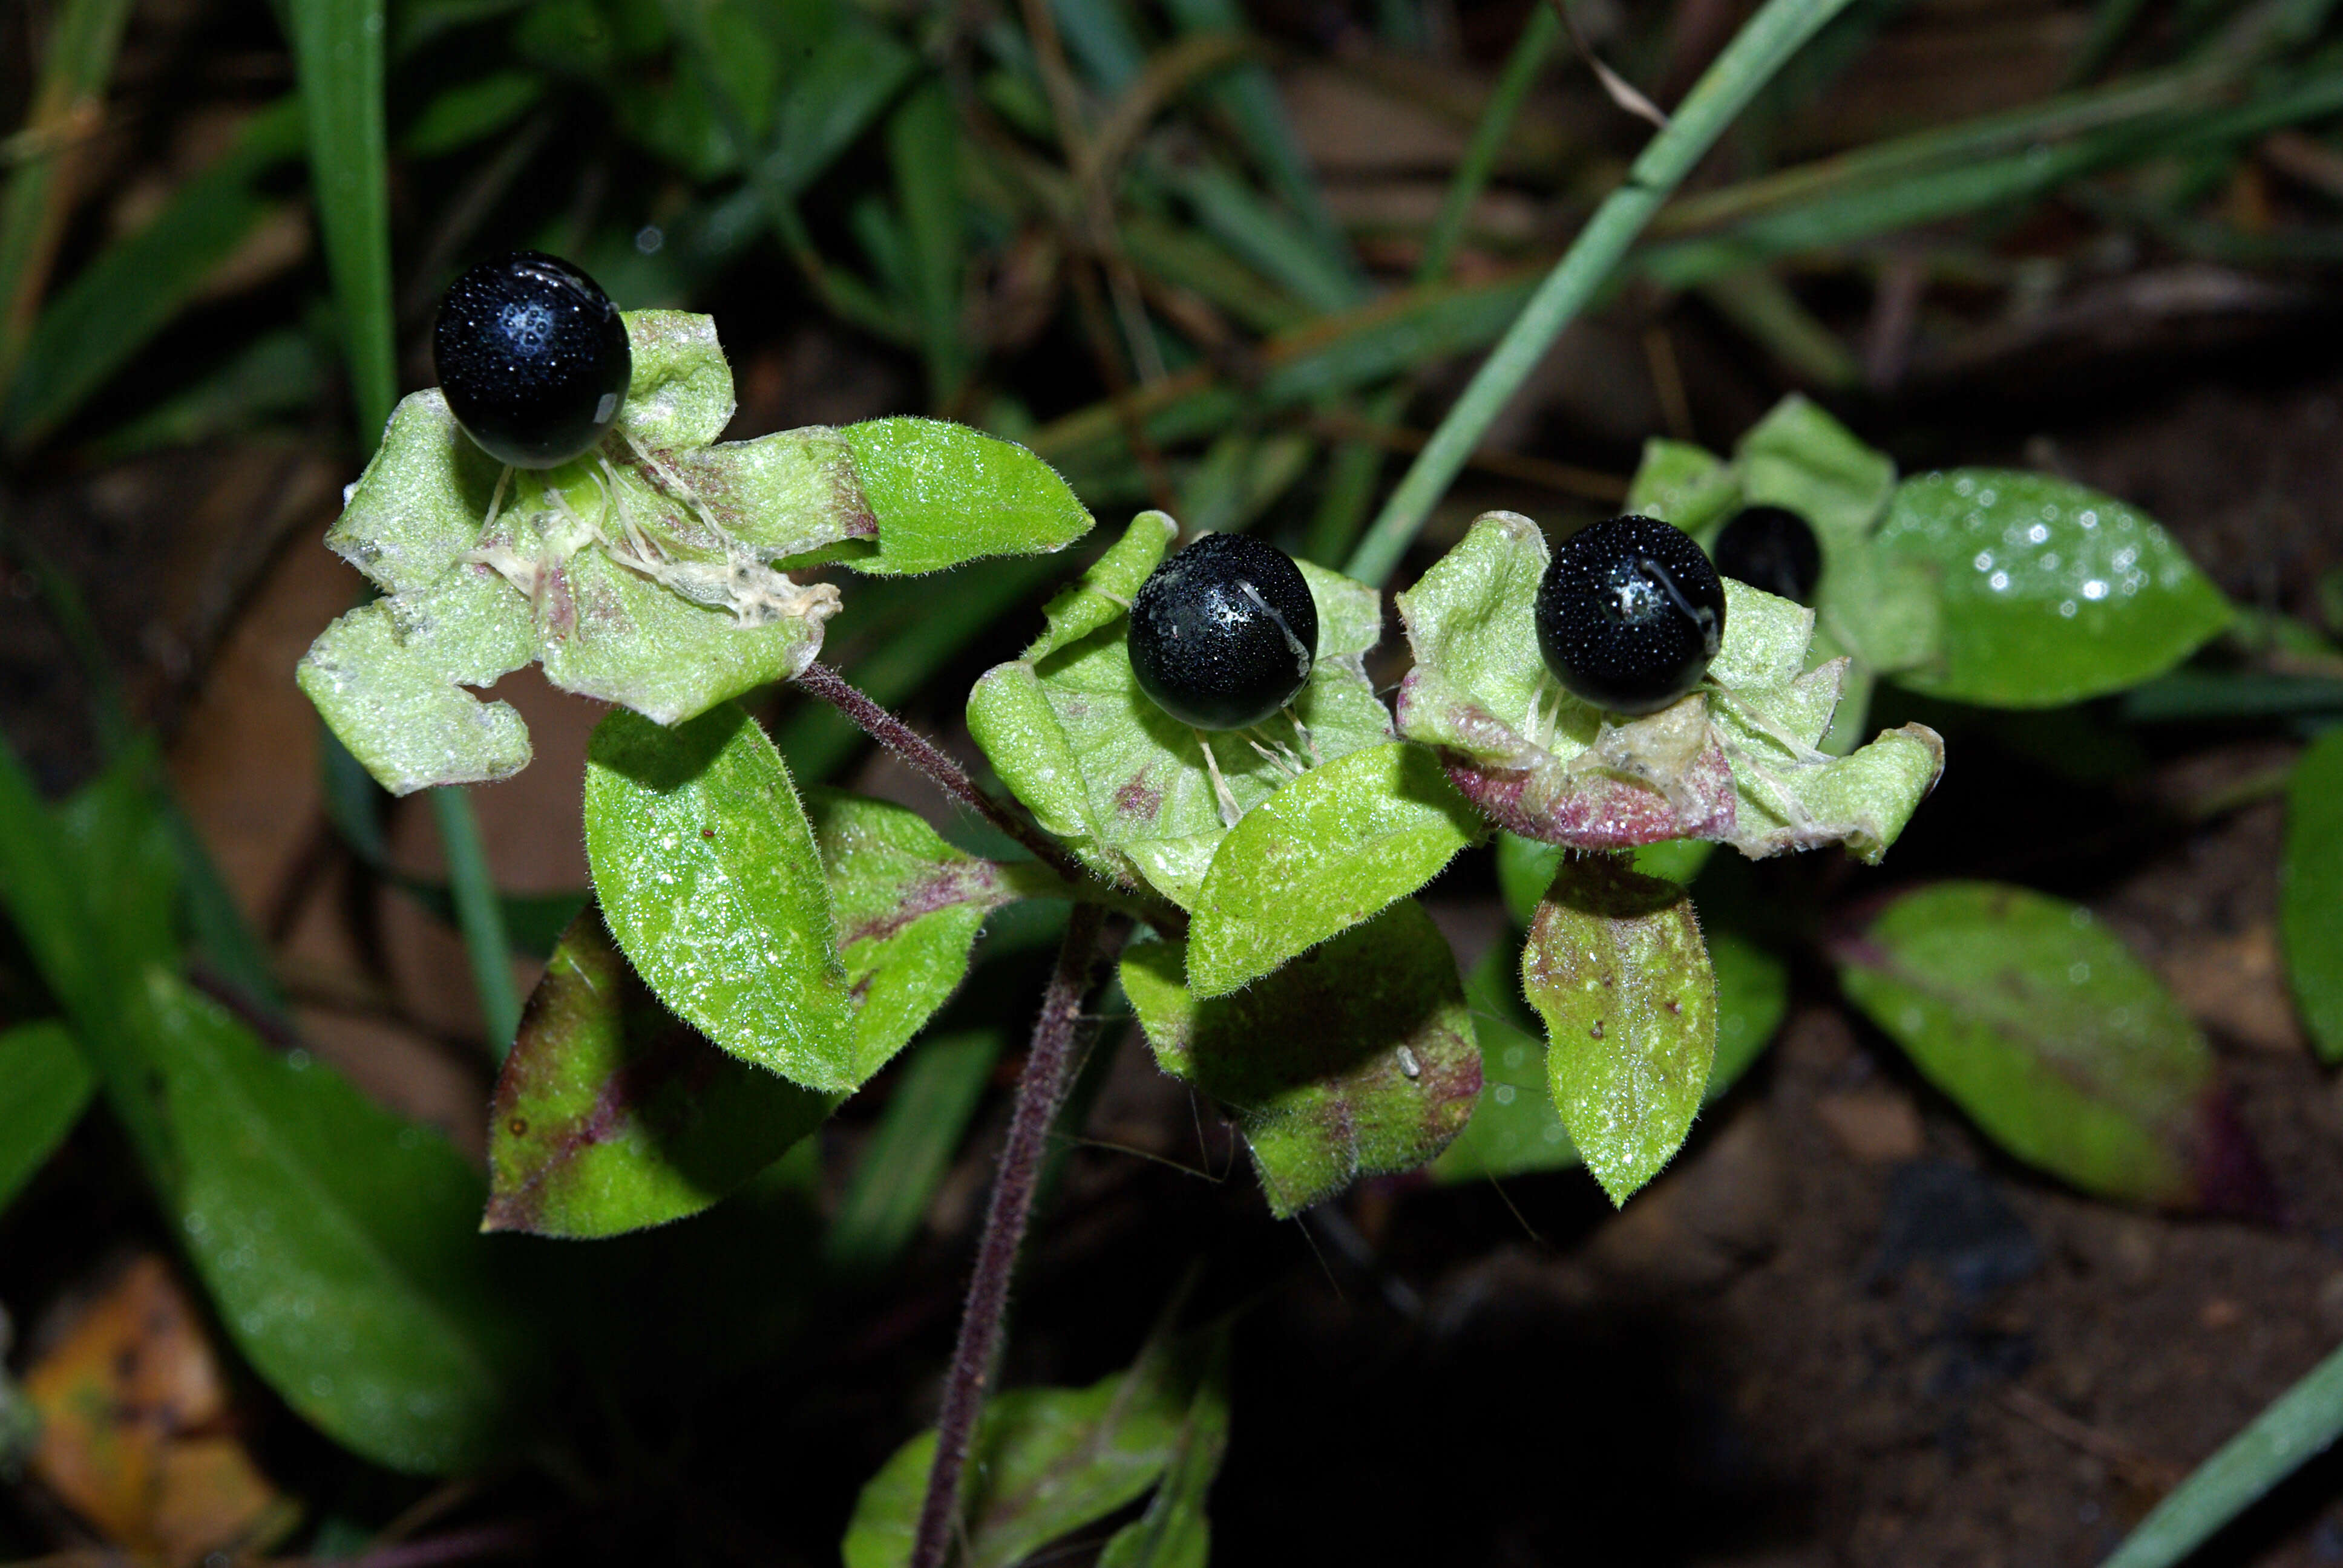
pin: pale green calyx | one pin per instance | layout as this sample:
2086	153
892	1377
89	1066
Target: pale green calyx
1737	761
651	573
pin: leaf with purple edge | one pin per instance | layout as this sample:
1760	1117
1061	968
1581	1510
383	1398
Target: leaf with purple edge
1616	966
612	1114
2043	1026
1357	1058
908	907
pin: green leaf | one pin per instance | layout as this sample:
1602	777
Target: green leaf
896	1174
338	1240
1736	760
125	864
464	113
1335	847
611	1114
944	494
1685	484
2295	1428
1616	967
48	1086
710	879
1525	866
1045	1462
1799	457
1123	783
337	54
908	907
2060	1043
645	580
2050	592
1515	1128
1103	594
1174	1532
1357	1058
2310	880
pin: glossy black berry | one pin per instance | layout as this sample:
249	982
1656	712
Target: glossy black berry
1224	633
1774	548
1629	614
533	359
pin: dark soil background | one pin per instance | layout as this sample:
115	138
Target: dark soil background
1842	1329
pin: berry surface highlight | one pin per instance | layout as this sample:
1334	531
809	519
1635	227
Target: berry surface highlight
532	358
1629	614
1223	634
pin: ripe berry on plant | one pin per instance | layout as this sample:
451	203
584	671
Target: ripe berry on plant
1224	633
532	358
1774	548
1629	614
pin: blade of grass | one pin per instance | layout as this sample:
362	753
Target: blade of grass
132	289
481	916
922	152
67	104
2299	1426
896	1177
1756	52
1356	467
1531	52
1248	96
337	54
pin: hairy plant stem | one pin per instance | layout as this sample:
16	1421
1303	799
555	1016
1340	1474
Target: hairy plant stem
931	759
1041	1089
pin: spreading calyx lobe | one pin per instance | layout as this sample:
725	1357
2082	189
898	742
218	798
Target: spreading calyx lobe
1223	634
1629	614
532	358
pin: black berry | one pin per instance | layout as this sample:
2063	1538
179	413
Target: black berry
1774	548
533	359
1224	633
1629	614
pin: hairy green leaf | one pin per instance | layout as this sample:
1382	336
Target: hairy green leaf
339	1241
1335	847
1737	761
709	879
48	1087
1045	1462
2061	1044
1515	1126
1103	594
1525	866
1616	966
1357	1058
1684	485
1124	784
611	1114
2049	592
2310	909
944	494
908	907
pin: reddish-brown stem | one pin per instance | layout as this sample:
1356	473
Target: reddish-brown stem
820	680
924	755
1041	1089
